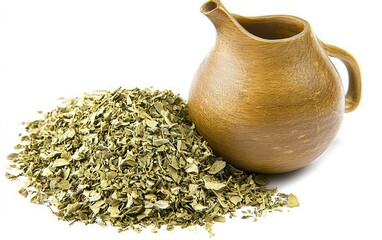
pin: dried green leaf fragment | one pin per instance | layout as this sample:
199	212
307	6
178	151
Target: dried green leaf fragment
219	219
72	207
161	204
293	201
97	206
235	199
160	142
193	168
114	211
151	123
199	207
23	192
217	166
213	184
260	180
11	176
12	156
208	227
60	162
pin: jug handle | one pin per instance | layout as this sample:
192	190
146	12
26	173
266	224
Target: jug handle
353	94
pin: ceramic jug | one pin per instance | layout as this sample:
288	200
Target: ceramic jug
267	98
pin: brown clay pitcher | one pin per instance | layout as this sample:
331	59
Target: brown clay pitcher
267	97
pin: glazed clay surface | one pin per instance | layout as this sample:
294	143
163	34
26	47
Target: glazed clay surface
267	97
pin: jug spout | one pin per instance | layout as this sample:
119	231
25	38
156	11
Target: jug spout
219	16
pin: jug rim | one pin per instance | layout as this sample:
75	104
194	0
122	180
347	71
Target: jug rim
281	20
299	25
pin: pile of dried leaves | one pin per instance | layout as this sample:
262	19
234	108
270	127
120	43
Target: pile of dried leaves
132	159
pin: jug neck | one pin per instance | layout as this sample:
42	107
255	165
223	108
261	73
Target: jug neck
264	29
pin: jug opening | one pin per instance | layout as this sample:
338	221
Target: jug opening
273	28
209	6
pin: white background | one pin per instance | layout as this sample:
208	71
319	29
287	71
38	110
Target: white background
52	49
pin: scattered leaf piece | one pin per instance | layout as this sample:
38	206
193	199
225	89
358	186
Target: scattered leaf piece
217	166
293	201
211	183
